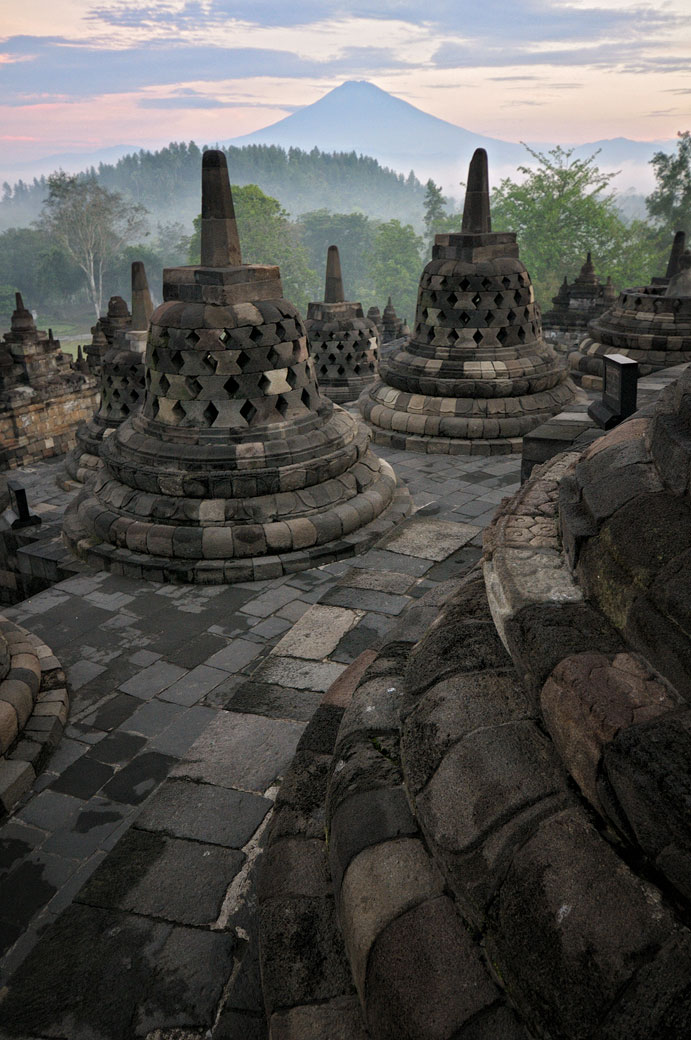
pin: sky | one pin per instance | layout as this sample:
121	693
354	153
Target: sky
83	75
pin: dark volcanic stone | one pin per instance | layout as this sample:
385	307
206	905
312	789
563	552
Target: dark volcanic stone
649	769
425	979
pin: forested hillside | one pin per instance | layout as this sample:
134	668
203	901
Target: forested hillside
166	183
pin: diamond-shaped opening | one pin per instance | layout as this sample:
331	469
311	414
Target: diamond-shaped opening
210	414
356	370
194	386
502	335
154	407
430	335
192	338
273	358
256	333
125	409
224	336
489	317
521	333
264	384
517	296
231	386
280	329
116	395
248	412
511	315
132	370
281	405
477	336
291	378
452	299
163	385
211	361
476	300
464	318
305	398
485	283
453	336
423	314
464	285
297	349
332	359
176	360
506	282
178	412
323	369
155	358
371	366
242	360
499	299
340	370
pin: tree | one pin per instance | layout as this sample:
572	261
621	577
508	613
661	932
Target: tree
267	237
669	205
561	210
353	233
436	219
92	226
394	266
41	270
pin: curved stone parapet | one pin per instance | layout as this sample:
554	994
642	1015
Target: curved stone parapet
34	703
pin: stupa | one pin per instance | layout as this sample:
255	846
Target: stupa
374	314
477	374
42	395
121	377
116	319
344	343
579	302
237	467
392	325
650	324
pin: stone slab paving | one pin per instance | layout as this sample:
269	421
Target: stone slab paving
126	875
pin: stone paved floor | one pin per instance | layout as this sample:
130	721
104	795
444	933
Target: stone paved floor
187	705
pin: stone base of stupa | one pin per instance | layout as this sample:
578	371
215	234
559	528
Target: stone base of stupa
457	425
281	510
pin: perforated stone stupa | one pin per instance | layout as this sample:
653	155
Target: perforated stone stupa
116	319
43	397
237	467
650	324
580	301
343	342
121	377
477	374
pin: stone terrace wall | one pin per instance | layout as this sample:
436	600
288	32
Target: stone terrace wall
40	429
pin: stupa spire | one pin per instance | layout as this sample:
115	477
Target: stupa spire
220	239
142	307
476	215
676	254
333	289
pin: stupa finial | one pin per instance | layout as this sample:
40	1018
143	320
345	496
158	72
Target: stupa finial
142	307
678	246
476	214
220	240
333	290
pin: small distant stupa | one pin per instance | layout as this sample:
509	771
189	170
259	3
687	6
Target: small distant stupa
580	301
121	377
650	324
343	342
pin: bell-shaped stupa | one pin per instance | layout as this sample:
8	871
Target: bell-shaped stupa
121	377
236	467
580	301
650	324
116	319
343	342
477	374
392	325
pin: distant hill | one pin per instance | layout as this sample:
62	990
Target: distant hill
360	116
167	183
